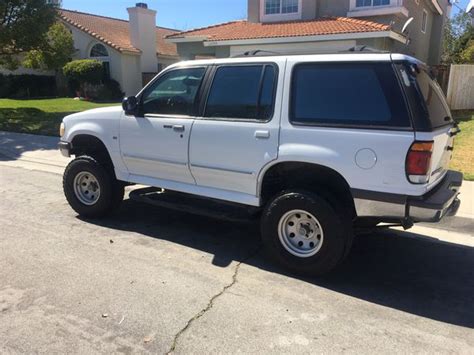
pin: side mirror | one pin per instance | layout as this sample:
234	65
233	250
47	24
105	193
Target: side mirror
130	105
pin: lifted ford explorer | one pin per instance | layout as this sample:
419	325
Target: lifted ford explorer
314	145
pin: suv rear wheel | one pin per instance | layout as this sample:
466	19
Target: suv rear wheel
305	233
90	188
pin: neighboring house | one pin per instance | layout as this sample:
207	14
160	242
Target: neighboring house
132	51
316	26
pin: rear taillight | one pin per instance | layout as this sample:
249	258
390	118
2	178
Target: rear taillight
418	164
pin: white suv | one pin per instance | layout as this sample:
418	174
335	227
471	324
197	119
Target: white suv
315	145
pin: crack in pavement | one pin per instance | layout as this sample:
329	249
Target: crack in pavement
210	304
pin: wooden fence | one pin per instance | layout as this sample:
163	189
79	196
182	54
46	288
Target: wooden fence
461	87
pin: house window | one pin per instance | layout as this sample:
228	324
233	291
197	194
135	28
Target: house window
424	21
366	3
98	50
273	7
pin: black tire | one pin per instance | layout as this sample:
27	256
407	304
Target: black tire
335	223
111	190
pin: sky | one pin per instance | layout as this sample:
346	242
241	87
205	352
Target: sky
180	14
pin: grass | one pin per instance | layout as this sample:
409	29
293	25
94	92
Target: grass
463	157
44	117
40	116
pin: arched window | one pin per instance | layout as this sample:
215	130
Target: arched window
99	50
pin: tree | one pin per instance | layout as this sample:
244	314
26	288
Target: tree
23	25
458	35
467	55
56	52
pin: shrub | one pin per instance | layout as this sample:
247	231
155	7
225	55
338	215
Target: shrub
27	86
82	72
109	90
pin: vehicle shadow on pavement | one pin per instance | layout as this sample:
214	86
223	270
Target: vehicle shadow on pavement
421	276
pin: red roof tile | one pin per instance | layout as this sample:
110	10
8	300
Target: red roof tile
240	30
115	32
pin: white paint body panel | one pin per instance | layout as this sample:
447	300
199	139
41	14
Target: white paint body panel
225	159
149	148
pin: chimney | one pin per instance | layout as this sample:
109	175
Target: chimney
143	35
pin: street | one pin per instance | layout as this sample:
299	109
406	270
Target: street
153	280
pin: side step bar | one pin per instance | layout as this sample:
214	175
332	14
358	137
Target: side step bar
195	204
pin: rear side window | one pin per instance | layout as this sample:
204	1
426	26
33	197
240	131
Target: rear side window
425	95
242	92
353	94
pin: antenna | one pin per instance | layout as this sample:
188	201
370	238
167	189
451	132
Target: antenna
470	6
405	26
405	30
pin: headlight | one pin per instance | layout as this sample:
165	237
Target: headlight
61	129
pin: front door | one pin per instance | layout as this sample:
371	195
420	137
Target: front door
154	143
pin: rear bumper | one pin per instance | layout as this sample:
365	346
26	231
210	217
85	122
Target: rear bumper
65	148
439	202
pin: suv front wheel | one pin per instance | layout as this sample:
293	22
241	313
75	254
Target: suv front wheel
90	188
305	233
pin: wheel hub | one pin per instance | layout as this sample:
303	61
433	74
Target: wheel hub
86	188
300	233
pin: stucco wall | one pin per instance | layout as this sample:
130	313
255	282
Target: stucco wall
332	8
297	48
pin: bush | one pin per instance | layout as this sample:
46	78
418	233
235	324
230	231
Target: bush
81	72
27	86
109	90
84	71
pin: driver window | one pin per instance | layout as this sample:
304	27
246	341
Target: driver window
174	93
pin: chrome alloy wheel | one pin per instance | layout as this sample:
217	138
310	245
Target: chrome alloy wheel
86	188
300	233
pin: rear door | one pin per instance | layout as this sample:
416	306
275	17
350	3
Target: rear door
238	133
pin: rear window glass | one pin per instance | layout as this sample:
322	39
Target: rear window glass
428	93
359	94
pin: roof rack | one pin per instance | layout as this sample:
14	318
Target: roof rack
364	48
256	53
263	53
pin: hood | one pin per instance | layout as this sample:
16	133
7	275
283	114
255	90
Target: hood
112	112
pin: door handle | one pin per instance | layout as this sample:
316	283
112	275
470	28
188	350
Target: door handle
262	134
176	127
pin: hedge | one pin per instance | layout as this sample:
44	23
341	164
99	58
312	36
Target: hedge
27	86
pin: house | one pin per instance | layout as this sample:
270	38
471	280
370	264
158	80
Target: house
132	51
316	26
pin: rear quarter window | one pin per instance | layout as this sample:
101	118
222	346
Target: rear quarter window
350	94
425	96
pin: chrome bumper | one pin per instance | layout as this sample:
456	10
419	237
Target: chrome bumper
439	202
65	148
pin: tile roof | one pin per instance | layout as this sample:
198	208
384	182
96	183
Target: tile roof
241	30
115	32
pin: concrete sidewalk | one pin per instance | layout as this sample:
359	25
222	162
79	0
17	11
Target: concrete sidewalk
40	153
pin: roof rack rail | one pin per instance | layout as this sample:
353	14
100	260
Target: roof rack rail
364	48
256	53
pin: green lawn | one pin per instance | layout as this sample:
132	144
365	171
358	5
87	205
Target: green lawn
463	157
40	116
